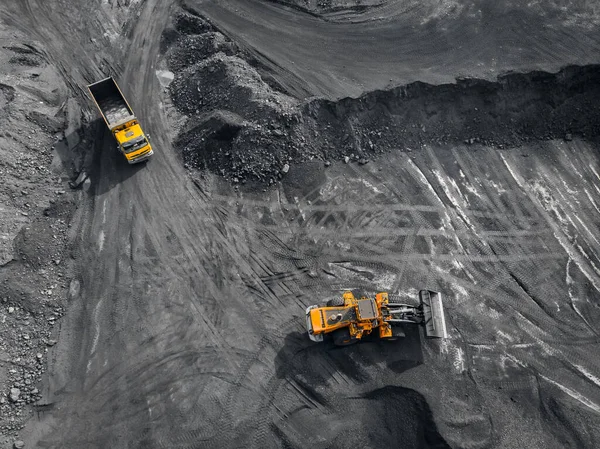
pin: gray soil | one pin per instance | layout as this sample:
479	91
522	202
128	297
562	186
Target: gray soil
301	148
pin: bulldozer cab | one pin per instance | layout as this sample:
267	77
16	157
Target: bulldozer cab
367	309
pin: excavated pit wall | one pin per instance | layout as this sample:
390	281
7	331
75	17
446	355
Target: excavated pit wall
244	129
515	109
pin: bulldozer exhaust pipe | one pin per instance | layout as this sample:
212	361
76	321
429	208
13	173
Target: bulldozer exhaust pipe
434	319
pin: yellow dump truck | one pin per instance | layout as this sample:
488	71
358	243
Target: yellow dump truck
119	118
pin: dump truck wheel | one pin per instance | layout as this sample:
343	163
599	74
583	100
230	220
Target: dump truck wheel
335	302
342	337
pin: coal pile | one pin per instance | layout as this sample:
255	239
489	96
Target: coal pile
194	48
226	83
187	23
238	126
516	109
237	149
403	415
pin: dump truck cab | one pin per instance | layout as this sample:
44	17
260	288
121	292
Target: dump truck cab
132	141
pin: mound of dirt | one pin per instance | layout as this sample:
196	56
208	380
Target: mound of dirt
236	148
266	130
517	108
238	126
189	23
226	82
400	414
191	49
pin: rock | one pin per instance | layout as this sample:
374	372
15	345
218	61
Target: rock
286	168
39	356
346	159
81	178
19	444
74	288
327	163
11	310
363	161
14	394
165	77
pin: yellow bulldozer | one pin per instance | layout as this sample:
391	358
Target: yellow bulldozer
348	319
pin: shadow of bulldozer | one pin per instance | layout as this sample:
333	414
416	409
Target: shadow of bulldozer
344	414
318	361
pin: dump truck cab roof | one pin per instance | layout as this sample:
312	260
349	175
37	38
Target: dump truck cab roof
129	133
132	141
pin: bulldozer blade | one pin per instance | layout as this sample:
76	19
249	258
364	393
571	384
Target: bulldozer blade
433	314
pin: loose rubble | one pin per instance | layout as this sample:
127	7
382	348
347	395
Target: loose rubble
33	274
237	124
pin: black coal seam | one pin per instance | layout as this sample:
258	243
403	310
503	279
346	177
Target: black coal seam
506	79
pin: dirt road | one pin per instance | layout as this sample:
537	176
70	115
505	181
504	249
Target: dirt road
404	41
188	329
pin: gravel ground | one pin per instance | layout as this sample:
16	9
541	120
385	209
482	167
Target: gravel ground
35	210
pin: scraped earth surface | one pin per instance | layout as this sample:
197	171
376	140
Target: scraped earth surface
303	148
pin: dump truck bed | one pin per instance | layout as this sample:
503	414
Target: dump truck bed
110	101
